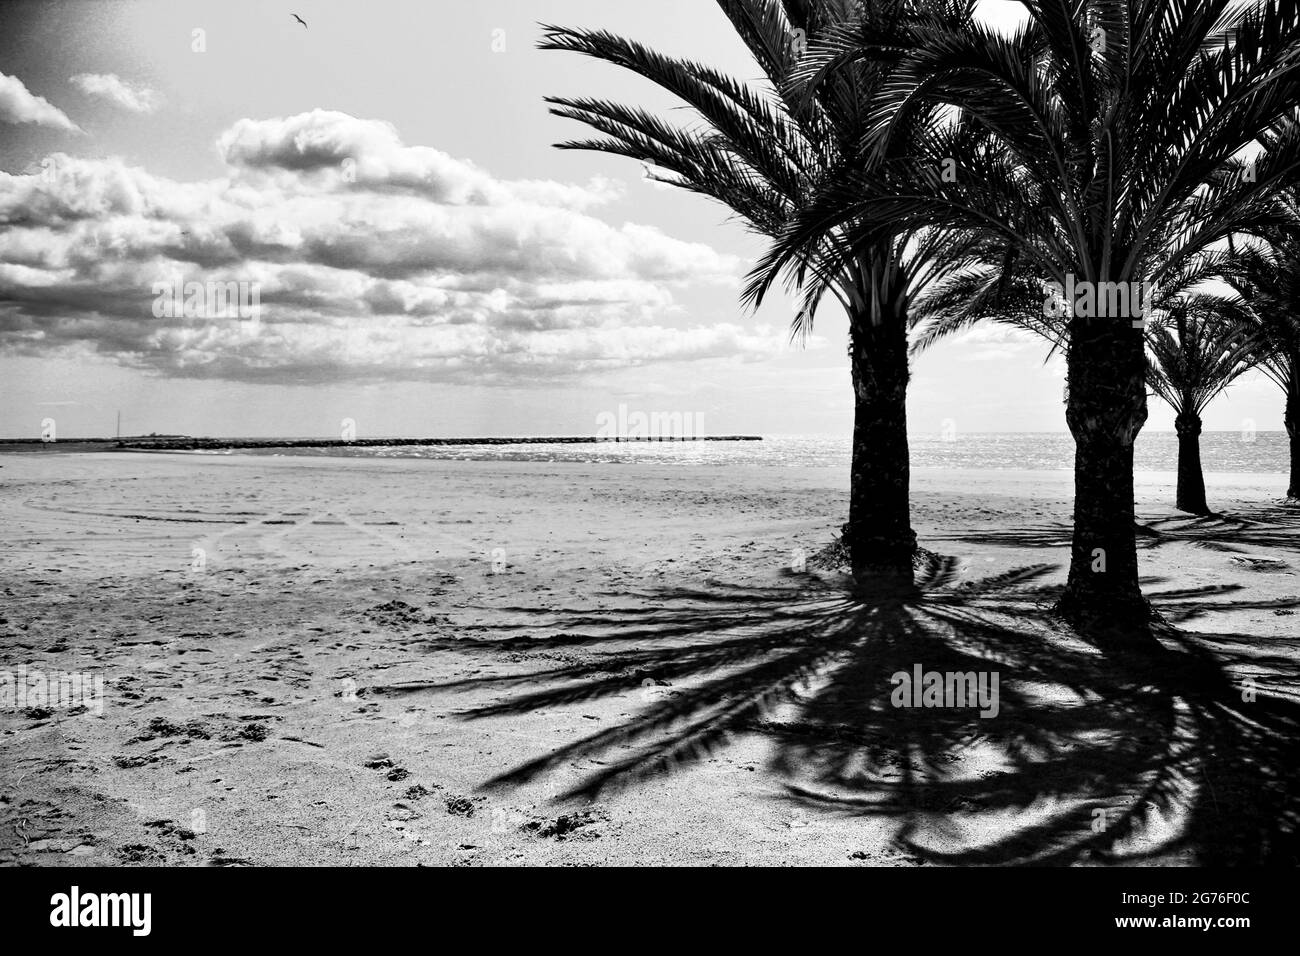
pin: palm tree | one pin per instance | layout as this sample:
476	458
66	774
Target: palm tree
1198	343
763	150
1113	123
1268	280
1197	350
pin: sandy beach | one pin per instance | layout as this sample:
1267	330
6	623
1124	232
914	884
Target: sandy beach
291	650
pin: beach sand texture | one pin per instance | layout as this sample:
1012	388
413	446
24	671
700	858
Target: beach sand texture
292	649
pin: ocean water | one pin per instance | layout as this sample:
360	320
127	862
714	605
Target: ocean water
1156	451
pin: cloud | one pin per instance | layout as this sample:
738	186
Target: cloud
135	97
368	259
20	105
992	341
370	155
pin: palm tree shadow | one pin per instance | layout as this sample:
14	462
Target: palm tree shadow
1272	527
1135	754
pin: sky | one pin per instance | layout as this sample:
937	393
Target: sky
426	263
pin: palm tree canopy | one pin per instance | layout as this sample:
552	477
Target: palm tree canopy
1266	276
1198	349
1111	129
765	149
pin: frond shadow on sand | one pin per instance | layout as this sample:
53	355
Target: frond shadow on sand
1182	748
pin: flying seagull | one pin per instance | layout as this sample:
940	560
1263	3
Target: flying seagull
299	19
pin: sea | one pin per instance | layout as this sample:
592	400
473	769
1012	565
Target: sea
1235	451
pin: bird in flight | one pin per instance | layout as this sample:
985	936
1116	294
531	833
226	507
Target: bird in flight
299	19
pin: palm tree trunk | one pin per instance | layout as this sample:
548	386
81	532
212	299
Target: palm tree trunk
1105	410
879	535
1190	496
1292	422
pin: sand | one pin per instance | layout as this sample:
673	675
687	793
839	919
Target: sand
277	637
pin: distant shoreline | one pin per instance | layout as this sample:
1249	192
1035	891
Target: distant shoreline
1225	452
139	440
178	443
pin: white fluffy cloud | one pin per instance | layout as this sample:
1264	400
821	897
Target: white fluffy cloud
109	86
369	258
19	105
